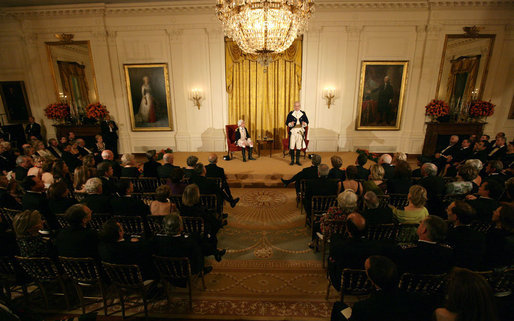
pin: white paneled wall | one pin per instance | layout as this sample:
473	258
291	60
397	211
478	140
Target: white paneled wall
187	37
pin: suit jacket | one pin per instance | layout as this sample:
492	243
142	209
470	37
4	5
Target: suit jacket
77	242
462	154
337	174
8	201
481	155
380	215
362	172
129	206
83	151
108	186
310	172
129	172
435	187
238	133
468	246
60	205
55	151
20	172
115	167
484	208
33	130
98	203
426	258
150	168
398	185
317	187
498	153
165	170
499	248
71	161
389	171
291	118
449	150
392	305
124	252
213	170
38	201
180	246
107	134
498	177
212	225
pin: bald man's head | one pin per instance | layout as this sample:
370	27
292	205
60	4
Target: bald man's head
213	158
356	225
107	155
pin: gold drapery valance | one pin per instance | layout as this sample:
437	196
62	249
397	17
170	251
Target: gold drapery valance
263	96
463	65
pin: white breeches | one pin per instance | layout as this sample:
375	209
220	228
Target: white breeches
245	143
297	141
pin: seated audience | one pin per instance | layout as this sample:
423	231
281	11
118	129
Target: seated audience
401	180
59	199
108	156
23	163
35	199
40	149
373	213
98	148
125	204
336	172
498	149
71	159
306	173
399	156
31	243
468	245
208	186
81	147
469	297
375	183
77	240
189	170
385	161
414	212
429	255
508	159
480	151
213	170
53	148
129	166
486	202
444	156
460	155
464	184
347	203
321	186
493	171
95	200
435	187
105	173
362	173
6	199
476	163
47	175
61	172
350	181
8	240
150	167
37	168
191	206
84	172
500	238
161	205
176	181
165	170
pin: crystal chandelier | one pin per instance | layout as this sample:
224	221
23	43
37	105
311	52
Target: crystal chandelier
264	27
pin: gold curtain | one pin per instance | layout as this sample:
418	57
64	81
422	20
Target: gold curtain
263	98
467	65
78	91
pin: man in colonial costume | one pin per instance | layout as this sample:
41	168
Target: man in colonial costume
296	122
243	140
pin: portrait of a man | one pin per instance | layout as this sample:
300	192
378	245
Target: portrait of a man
381	95
15	101
149	97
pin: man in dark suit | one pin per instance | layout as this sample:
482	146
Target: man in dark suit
319	186
33	129
306	173
109	133
429	255
150	167
165	170
94	200
445	155
385	161
480	151
208	186
23	163
81	146
435	187
127	205
498	150
6	199
362	173
70	159
108	156
459	157
486	202
189	170
213	170
53	148
35	199
493	172
468	245
77	240
373	214
105	173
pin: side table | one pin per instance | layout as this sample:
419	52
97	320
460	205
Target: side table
265	141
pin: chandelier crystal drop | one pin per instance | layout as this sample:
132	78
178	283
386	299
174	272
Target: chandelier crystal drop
264	26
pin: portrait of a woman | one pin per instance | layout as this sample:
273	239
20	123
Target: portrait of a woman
147	107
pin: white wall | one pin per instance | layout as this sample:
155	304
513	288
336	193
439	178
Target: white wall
187	36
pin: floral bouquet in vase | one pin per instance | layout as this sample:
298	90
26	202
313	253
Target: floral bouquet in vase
371	156
57	111
437	108
161	153
481	109
96	111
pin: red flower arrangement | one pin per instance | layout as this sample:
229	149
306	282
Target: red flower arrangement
370	156
160	154
96	111
480	108
57	111
437	108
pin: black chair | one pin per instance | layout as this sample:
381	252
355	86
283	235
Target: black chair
127	280
194	225
407	233
353	282
301	195
382	232
80	196
178	269
148	184
85	275
177	200
383	201
320	205
426	284
98	219
331	228
398	200
218	180
44	272
8	215
61	219
10	279
147	198
132	225
155	224
481	227
210	202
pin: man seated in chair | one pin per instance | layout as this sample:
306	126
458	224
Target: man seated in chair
306	173
213	170
296	122
243	140
320	186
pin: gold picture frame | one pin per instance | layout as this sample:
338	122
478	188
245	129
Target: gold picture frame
148	92
380	106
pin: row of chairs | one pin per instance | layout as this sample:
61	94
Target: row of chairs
356	282
92	281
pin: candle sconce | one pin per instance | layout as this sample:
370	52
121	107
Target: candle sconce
329	94
196	96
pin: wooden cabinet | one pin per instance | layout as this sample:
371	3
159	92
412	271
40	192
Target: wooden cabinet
435	130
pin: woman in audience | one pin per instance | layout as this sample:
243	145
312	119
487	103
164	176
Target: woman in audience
401	181
77	240
84	172
415	211
59	199
47	176
40	149
375	183
509	156
336	172
150	167
98	148
347	202
500	238
352	173
176	181
61	172
161	205
464	184
37	169
129	167
476	163
191	206
63	141
126	204
469	298
399	157
27	225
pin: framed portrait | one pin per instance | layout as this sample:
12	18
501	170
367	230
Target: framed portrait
148	92
381	91
16	103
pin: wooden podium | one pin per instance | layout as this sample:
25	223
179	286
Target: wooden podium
434	130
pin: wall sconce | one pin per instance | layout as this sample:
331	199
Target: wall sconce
196	96
329	94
